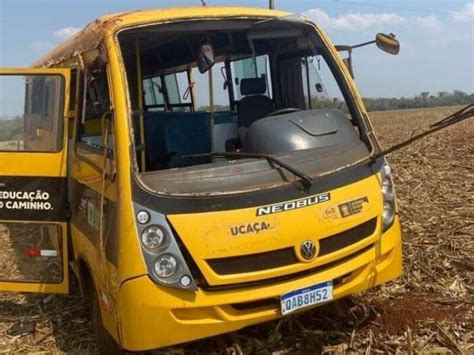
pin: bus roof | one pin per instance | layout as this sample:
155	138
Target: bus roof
92	35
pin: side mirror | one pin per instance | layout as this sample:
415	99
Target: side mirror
387	43
205	57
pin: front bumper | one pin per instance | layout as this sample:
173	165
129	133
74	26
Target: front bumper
153	316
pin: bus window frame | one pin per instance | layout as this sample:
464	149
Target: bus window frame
167	106
80	115
60	119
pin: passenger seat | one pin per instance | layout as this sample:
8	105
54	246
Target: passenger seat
254	105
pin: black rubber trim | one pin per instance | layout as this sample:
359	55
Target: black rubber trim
253	262
348	237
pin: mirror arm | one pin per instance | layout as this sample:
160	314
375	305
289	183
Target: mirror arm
349	49
362	44
341	48
347	61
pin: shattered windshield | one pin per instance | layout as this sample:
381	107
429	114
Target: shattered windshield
236	88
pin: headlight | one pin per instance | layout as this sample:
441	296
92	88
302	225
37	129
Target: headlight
165	262
166	265
143	217
153	237
387	189
388	214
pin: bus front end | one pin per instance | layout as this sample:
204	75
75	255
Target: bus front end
254	193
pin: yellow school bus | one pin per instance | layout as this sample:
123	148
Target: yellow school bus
199	169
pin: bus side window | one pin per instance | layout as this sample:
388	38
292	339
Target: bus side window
154	94
248	68
177	87
73	99
170	92
31	112
97	103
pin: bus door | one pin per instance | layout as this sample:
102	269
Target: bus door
94	187
33	175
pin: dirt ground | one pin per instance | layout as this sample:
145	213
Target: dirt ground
428	310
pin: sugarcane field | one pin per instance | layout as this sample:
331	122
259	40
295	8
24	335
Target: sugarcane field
217	177
419	313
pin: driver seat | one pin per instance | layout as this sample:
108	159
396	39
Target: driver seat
254	105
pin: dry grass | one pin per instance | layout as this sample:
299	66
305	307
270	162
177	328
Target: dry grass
428	310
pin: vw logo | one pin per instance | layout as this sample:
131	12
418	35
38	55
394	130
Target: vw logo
308	250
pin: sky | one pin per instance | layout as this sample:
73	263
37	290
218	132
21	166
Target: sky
436	36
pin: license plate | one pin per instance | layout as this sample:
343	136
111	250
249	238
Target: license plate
306	297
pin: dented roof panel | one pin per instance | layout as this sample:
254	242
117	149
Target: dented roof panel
92	35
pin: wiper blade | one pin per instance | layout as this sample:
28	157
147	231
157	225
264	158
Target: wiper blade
458	116
307	180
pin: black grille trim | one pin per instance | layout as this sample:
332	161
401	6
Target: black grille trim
289	277
266	302
284	257
348	237
253	262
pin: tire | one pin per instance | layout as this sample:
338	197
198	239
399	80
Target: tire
106	344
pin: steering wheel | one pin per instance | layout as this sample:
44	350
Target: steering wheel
283	111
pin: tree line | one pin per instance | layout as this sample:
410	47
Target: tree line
11	128
424	99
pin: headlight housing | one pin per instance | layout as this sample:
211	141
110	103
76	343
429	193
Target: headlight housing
162	255
388	192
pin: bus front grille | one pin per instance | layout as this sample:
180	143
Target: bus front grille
344	239
287	256
253	262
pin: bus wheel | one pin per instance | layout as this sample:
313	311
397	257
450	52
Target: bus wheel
106	344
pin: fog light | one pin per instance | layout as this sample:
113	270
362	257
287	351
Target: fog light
153	237
143	217
166	266
185	281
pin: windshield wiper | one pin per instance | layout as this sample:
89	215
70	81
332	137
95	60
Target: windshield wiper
458	116
306	179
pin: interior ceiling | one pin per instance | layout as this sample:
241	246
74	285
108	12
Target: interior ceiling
168	50
174	45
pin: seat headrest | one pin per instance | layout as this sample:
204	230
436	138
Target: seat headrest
253	86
